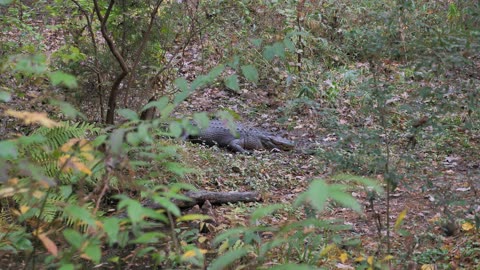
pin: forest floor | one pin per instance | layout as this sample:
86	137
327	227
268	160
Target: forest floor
437	233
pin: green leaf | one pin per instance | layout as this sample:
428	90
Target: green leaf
178	168
143	134
201	120
66	266
270	245
65	191
287	42
159	104
59	77
5	96
317	194
250	237
149	237
5	2
112	227
182	84
74	238
337	193
153	214
368	182
33	64
235	232
94	252
176	196
264	211
199	82
257	42
67	109
179	97
268	52
191	217
165	112
292	266
175	129
133	139
128	114
279	49
135	211
228	115
177	187
168	205
232	82
99	140
215	72
234	62
9	150
250	72
80	213
31	139
145	251
226	259
116	140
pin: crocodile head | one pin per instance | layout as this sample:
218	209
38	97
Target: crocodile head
272	142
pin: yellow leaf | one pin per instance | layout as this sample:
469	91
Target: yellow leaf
44	183
343	257
13	181
188	254
223	247
48	244
327	249
467	226
359	259
202	239
400	218
62	161
7	192
16	212
68	145
69	163
428	267
370	260
23	209
38	194
85	145
35	117
193	253
388	258
87	156
434	219
190	217
82	167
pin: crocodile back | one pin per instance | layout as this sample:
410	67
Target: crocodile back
246	138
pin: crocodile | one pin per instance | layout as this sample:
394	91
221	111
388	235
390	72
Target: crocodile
247	138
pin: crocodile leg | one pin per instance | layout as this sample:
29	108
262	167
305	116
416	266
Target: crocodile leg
235	147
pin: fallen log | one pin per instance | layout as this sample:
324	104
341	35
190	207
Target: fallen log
199	197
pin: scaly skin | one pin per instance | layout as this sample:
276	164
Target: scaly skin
246	139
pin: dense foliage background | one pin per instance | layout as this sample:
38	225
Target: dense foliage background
381	98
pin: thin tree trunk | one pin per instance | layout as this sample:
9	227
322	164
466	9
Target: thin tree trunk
125	70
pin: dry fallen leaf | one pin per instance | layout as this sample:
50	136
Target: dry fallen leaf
48	244
467	226
35	117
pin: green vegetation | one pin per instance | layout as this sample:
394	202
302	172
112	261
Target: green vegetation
382	98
